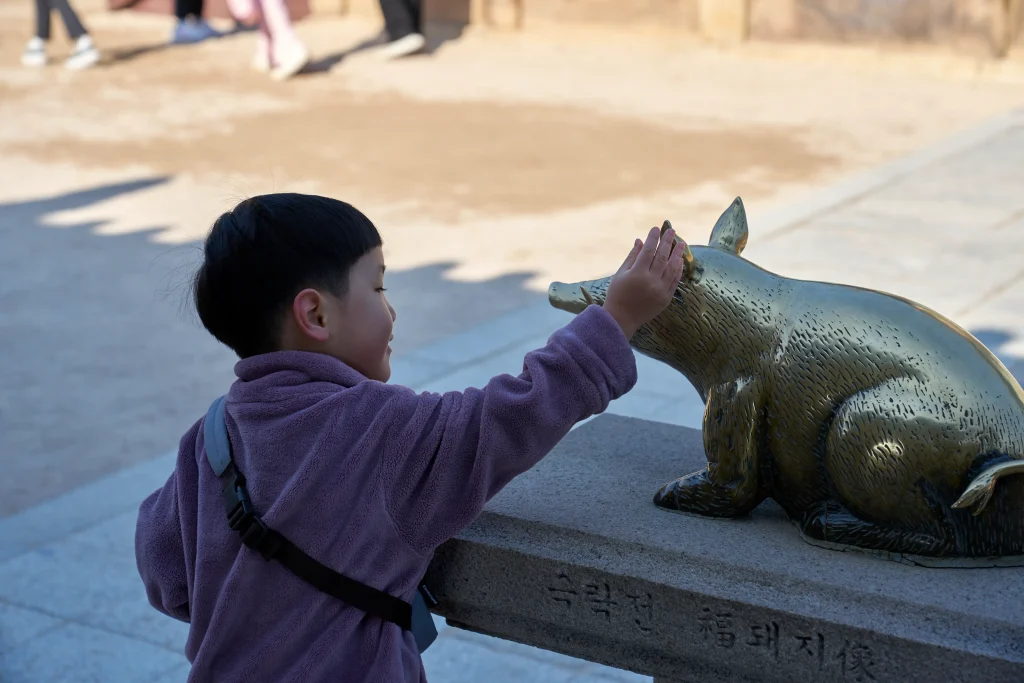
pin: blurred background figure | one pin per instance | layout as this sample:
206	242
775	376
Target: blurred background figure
83	54
279	51
191	27
402	23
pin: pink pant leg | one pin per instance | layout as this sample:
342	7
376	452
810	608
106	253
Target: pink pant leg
277	23
242	10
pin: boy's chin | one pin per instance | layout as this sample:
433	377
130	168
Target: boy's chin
385	369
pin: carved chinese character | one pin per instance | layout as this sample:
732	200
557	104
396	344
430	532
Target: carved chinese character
600	598
719	625
643	611
813	646
564	594
707	623
857	661
766	636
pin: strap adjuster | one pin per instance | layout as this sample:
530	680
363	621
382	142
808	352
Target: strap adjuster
243	519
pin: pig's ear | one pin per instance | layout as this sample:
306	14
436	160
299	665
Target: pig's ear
730	232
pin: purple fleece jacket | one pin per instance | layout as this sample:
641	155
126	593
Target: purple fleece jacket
367	478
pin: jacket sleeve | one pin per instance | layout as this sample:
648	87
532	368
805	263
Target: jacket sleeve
453	452
159	549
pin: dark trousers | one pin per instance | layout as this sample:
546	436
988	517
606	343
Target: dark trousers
187	8
71	20
401	17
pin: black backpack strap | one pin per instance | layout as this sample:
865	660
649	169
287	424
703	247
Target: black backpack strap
273	546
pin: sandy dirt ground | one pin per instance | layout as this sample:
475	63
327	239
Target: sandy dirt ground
542	153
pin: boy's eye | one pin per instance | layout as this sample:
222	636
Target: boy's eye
382	289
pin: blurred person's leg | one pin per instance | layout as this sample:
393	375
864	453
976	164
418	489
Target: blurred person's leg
191	27
248	13
35	51
287	52
70	18
43	19
184	9
83	55
402	23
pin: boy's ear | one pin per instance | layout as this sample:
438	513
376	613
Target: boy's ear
310	314
730	232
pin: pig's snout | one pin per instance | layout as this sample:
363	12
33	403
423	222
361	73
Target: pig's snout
574	297
567	297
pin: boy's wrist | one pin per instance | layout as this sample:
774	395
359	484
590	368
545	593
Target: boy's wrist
624	321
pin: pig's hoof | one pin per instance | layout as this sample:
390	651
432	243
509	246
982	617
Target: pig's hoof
814	527
695	494
668	496
689	494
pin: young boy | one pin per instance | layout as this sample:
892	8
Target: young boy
365	477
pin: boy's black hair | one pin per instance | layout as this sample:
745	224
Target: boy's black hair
266	250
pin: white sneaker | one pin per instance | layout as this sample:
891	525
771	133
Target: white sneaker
35	53
291	64
84	55
403	47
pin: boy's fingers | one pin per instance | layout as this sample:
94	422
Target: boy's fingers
646	256
631	257
676	264
664	249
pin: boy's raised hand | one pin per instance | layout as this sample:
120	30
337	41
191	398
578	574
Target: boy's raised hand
643	286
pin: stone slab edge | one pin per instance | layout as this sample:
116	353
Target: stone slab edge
82	508
682	634
799	214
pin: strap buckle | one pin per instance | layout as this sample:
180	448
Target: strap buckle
242	518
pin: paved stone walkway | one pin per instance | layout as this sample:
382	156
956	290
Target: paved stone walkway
944	226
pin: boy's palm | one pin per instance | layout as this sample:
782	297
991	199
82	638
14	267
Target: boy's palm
645	282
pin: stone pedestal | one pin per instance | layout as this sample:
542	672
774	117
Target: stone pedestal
574	557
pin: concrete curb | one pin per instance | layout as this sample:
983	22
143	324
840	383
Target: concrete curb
82	508
799	214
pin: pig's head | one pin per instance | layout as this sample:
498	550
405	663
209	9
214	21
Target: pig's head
686	334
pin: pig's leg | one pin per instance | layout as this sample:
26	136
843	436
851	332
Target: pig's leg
895	464
729	486
830	524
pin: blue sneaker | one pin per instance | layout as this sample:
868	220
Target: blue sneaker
192	30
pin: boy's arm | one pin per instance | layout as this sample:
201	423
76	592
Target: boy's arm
159	551
454	452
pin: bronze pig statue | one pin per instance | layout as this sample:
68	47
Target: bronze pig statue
874	422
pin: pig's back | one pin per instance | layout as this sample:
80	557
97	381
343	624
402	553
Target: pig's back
850	339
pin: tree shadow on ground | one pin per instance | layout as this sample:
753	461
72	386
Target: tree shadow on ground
107	364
